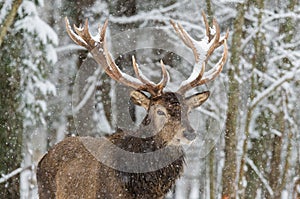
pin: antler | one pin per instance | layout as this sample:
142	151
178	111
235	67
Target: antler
97	47
202	51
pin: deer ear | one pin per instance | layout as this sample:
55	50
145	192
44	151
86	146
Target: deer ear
196	100
140	99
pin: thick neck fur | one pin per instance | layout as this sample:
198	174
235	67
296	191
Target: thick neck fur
141	144
152	184
148	138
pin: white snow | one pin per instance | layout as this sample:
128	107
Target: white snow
130	78
88	91
4	10
202	48
33	24
139	73
35	86
5	177
260	175
273	86
51	54
46	87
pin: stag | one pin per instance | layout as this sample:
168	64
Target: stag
72	169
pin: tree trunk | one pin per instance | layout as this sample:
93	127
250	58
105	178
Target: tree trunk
256	153
10	123
9	19
276	169
121	8
10	118
278	173
230	166
75	10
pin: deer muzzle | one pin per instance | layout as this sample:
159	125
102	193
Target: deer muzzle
190	135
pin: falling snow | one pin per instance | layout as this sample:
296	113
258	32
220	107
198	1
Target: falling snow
63	92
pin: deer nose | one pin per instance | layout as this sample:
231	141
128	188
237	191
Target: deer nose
189	135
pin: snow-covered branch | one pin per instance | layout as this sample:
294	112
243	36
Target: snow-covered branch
288	76
7	18
13	173
69	47
142	17
266	22
260	175
162	14
88	89
210	114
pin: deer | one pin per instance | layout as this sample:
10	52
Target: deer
72	169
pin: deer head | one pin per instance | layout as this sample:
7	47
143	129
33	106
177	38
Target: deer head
166	111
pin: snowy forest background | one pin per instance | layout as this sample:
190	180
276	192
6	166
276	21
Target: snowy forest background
250	127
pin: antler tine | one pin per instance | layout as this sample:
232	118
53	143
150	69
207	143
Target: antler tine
202	51
157	88
105	60
225	37
207	31
165	77
101	54
186	38
207	76
216	38
216	70
139	73
84	33
87	34
115	73
78	40
191	83
102	31
178	28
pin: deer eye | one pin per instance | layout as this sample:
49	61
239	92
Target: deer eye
159	112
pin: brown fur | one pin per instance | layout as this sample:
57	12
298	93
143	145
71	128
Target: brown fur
70	169
69	164
150	184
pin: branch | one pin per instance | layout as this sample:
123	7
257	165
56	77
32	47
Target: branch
88	90
160	14
13	173
145	16
69	47
269	19
288	76
9	19
260	175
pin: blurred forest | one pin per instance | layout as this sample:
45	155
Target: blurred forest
249	130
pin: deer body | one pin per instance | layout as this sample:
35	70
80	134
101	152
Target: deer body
70	171
85	167
75	166
84	177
